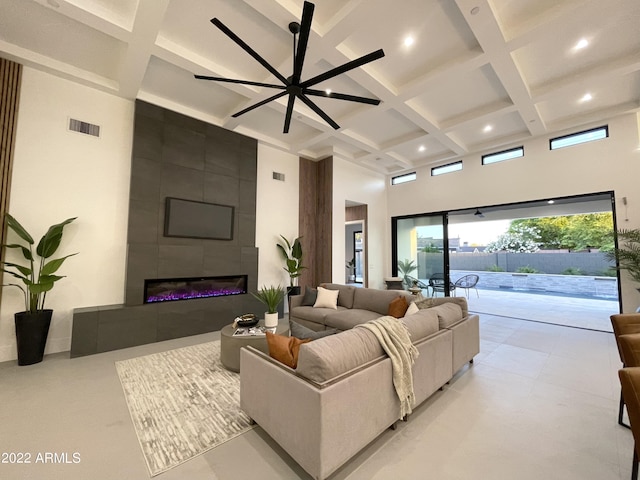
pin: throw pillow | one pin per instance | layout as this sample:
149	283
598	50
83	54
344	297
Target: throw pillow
284	349
327	298
413	308
300	331
310	296
398	307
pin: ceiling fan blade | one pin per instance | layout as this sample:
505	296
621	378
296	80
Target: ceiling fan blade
242	82
305	31
318	110
259	104
341	96
248	49
287	118
358	62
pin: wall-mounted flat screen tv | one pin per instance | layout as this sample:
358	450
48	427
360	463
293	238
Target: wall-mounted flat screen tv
188	218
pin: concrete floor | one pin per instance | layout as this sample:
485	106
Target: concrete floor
540	402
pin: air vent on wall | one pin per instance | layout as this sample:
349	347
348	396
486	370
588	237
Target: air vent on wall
84	127
278	176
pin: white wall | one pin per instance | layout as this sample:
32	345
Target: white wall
355	183
59	174
276	211
612	164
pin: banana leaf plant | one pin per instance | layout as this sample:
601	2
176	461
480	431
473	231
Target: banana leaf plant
37	274
292	254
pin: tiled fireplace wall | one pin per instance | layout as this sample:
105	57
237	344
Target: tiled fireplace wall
177	156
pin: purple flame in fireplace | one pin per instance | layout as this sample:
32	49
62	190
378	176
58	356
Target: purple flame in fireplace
171	289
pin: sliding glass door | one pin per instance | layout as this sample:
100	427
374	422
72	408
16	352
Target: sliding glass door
421	252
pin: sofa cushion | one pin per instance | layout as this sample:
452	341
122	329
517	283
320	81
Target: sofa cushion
448	312
375	300
310	296
434	302
327	357
345	298
284	349
327	299
348	318
312	314
300	331
398	307
422	324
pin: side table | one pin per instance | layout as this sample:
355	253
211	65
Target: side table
230	346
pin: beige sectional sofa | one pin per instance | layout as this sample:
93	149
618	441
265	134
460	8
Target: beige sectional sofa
341	395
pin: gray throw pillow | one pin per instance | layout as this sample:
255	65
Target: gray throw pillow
302	332
310	297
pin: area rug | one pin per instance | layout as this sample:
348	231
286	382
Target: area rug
182	402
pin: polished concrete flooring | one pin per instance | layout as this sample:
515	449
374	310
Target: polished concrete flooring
540	402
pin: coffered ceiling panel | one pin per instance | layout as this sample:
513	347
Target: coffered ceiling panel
480	88
49	34
215	99
511	65
440	35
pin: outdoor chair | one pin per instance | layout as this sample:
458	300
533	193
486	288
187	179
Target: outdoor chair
624	324
437	284
468	282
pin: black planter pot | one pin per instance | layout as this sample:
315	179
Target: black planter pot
291	291
31	335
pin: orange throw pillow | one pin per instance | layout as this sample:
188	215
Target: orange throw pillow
398	307
285	349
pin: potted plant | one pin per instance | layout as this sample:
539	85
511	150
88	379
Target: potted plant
405	267
37	275
271	297
292	254
351	265
627	255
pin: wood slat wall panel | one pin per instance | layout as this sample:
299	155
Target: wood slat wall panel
315	218
10	75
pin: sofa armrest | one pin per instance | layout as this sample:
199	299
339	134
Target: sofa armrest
295	301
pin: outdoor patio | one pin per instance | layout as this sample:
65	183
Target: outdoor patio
582	312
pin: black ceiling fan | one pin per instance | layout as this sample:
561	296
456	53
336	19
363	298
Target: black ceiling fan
293	86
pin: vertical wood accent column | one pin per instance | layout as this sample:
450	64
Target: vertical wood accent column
353	214
10	74
315	220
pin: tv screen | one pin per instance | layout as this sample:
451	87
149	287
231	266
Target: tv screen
187	218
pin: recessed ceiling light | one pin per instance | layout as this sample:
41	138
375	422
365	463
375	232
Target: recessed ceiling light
475	10
582	43
422	148
408	41
487	129
586	97
328	91
551	202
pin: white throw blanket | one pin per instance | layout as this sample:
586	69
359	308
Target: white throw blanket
394	339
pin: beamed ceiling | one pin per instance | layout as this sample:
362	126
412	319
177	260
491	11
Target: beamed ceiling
480	75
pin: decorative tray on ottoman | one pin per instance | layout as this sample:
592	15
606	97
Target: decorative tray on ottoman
246	320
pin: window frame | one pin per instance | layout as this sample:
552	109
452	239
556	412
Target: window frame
502	152
404	175
577	134
441	167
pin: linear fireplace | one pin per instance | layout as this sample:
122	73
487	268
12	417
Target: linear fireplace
173	289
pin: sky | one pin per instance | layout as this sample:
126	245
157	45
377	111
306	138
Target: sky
478	233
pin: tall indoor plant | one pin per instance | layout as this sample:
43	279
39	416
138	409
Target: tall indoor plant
271	297
37	273
627	255
292	254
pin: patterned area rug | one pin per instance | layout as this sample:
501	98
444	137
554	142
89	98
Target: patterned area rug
182	402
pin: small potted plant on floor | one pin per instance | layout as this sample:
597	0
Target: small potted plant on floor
32	325
271	297
627	255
